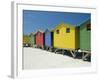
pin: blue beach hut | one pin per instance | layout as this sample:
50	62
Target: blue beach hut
48	39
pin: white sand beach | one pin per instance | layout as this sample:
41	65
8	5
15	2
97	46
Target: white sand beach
34	58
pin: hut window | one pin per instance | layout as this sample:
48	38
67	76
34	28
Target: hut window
88	27
57	31
67	30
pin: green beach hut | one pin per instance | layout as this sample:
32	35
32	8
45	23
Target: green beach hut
85	36
32	39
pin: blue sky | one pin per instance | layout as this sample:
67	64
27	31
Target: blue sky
35	20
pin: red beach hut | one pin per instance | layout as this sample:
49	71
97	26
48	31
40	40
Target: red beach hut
40	39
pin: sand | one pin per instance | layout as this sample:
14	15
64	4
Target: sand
34	58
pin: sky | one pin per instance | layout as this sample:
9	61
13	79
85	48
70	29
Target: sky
42	20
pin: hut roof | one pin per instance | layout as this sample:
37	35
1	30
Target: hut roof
42	31
84	22
70	25
64	24
48	30
33	33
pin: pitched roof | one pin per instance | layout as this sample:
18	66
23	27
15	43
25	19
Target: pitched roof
42	31
89	20
71	25
64	24
48	30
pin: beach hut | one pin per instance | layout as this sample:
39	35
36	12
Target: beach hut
66	37
85	35
40	39
85	38
33	39
48	39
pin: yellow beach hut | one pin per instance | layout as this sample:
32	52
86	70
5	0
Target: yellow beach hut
66	36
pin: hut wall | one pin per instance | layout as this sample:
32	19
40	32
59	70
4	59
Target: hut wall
32	40
85	37
40	39
77	40
48	39
63	39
